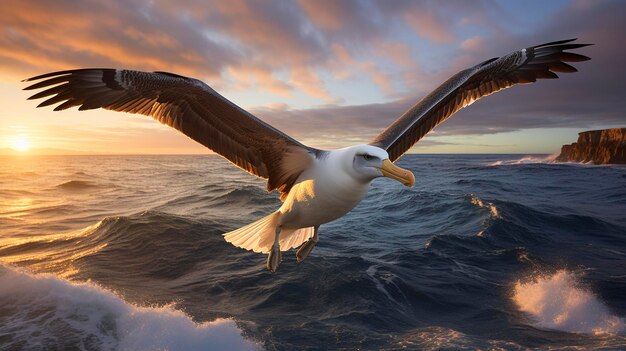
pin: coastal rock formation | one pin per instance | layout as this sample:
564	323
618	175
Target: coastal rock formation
597	146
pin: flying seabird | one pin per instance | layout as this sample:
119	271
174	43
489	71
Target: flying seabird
316	186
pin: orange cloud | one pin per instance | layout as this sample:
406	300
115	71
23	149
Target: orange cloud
397	52
342	54
307	81
475	43
248	76
327	14
63	35
160	40
430	26
382	80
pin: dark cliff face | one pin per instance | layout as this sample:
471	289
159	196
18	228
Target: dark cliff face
597	146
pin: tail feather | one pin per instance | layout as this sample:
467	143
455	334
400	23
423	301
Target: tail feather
259	236
295	238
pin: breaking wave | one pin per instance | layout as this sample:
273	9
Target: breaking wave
558	301
40	310
525	160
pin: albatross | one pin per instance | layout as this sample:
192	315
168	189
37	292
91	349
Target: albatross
316	186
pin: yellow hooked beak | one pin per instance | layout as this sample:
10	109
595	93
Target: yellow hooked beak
402	175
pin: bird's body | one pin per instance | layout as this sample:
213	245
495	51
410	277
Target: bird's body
316	199
329	188
316	186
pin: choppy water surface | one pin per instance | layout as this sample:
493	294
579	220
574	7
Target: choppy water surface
485	252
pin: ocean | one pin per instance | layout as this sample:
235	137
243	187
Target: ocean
486	252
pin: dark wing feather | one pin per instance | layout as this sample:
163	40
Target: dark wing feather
188	105
462	89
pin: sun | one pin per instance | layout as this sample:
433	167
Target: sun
20	143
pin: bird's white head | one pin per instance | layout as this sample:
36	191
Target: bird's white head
366	162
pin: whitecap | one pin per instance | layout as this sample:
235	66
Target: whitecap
525	160
559	302
41	311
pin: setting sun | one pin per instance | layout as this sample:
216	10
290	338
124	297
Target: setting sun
20	143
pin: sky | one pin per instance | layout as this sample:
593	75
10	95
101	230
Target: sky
328	73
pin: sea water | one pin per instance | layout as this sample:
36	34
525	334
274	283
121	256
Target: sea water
505	252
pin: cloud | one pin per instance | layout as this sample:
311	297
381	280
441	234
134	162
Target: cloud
398	52
307	81
249	77
283	46
474	44
429	25
307	53
329	14
590	98
382	80
208	39
64	34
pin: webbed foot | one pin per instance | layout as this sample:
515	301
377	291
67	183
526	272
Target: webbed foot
273	259
305	249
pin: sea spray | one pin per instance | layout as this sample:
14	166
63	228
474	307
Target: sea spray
42	310
525	160
559	302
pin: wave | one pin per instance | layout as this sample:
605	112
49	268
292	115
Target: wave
526	160
559	302
534	160
42	310
441	338
493	210
22	175
405	269
217	200
76	185
145	246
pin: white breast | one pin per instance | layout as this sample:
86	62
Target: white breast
322	194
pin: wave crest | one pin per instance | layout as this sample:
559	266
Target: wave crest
76	185
526	160
559	302
493	210
42	309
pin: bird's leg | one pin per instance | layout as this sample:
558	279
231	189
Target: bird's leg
273	259
308	246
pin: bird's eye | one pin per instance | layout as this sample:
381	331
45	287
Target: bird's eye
368	157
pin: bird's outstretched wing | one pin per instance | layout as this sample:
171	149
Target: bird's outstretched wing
461	90
188	105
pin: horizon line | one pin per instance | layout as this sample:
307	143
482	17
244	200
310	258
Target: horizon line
18	154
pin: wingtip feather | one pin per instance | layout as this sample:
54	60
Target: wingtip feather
558	42
562	67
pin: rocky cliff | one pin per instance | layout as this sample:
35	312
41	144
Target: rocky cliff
597	146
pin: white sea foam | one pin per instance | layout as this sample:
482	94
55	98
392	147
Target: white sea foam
525	160
559	302
43	310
